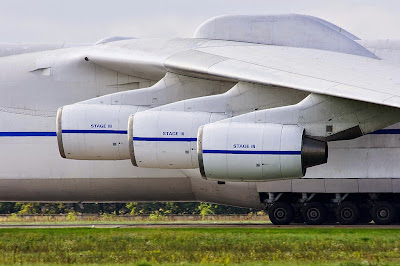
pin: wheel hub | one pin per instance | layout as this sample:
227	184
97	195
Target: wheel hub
313	214
383	213
347	213
280	214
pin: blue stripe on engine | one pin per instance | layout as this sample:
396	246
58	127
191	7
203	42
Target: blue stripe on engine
164	139
28	134
97	131
253	152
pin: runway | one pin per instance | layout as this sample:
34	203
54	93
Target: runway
198	225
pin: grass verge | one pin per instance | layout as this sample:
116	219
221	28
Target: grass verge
275	246
128	219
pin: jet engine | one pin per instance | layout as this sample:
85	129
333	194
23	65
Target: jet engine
256	151
94	131
166	139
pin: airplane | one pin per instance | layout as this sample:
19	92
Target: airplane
241	114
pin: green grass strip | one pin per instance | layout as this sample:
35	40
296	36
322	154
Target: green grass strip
208	246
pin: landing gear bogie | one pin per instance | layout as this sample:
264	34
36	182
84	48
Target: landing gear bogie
332	208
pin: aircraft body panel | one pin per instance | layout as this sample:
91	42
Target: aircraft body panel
370	156
35	85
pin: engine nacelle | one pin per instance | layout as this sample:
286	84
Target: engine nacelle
166	139
94	131
256	151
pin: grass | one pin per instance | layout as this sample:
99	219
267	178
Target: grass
276	246
128	219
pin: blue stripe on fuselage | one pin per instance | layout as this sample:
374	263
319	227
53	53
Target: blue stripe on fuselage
389	131
393	131
28	134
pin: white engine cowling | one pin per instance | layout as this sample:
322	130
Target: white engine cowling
94	131
256	152
166	139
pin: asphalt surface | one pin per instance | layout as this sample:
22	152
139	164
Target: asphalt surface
198	225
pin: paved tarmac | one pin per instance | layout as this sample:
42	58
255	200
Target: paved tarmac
198	225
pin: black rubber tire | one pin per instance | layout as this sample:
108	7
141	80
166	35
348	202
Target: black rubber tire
347	213
331	218
365	214
298	219
315	213
281	213
383	213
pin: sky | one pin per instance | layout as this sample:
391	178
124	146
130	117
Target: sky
87	21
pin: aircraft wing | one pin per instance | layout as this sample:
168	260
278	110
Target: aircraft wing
293	51
317	71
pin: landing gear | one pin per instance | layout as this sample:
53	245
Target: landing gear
365	214
347	213
315	213
281	213
332	208
383	213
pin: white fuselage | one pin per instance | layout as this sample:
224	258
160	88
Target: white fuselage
34	85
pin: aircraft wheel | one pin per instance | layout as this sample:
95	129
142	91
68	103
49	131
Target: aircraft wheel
383	213
298	219
315	213
365	215
347	213
331	218
281	213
